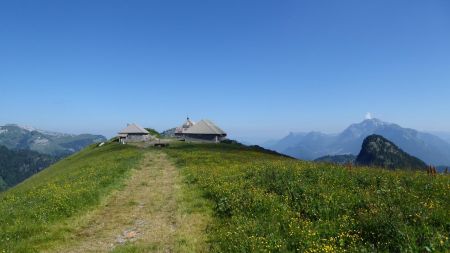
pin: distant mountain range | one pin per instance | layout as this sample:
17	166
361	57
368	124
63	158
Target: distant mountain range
380	152
313	145
169	132
25	151
56	144
443	135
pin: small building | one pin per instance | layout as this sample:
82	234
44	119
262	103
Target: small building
179	130
133	133
203	130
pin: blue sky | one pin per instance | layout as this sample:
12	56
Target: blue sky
259	69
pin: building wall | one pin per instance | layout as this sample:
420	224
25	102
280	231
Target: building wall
137	137
204	137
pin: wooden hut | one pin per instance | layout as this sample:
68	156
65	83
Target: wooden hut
204	130
133	133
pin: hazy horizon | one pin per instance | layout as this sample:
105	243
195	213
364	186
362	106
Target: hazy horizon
249	136
259	70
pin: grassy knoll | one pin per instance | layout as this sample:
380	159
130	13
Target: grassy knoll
31	211
267	203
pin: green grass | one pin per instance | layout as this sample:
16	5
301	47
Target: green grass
134	248
153	132
247	199
30	213
267	203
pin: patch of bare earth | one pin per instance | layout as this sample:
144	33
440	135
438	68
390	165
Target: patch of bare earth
146	212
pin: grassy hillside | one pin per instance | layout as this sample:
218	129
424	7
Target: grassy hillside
32	212
153	132
267	203
248	199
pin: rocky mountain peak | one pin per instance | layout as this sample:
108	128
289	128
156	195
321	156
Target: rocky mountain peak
379	151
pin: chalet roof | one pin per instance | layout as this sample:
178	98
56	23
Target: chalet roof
188	123
204	127
134	129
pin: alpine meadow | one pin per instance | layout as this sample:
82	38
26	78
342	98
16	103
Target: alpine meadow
224	126
253	199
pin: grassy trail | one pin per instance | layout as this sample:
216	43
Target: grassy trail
148	215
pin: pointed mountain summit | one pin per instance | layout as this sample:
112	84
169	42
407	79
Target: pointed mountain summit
380	152
359	129
427	147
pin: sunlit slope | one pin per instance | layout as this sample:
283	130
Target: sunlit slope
258	201
31	212
267	203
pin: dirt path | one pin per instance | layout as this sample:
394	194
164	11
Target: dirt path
147	214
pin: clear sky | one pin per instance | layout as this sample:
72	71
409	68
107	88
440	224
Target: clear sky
259	69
